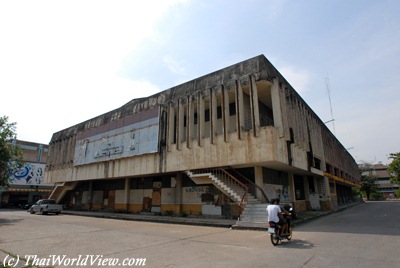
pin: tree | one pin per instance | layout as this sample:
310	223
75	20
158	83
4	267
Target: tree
394	167
10	155
368	179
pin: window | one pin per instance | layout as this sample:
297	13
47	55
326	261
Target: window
299	187
232	108
311	186
206	115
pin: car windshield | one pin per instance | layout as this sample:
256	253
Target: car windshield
48	202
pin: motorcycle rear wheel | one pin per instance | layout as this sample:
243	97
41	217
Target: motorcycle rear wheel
274	239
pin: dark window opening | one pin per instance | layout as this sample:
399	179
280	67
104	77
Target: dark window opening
142	183
272	176
328	168
110	185
206	115
232	108
291	135
219	112
317	163
175	129
311	186
299	188
266	115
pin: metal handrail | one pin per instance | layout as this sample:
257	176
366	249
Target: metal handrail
225	175
251	183
243	202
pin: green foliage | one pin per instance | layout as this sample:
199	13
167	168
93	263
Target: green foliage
10	155
184	214
394	167
169	212
397	193
377	196
356	193
368	185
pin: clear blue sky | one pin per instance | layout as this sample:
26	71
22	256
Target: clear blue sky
63	62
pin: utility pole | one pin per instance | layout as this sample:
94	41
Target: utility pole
328	90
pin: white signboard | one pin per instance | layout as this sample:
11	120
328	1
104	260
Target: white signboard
133	135
30	173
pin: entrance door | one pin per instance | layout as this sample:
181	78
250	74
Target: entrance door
111	199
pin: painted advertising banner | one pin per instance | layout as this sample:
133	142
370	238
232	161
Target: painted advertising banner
29	174
132	135
275	190
193	194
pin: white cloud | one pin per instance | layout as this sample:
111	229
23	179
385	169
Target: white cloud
299	78
175	66
59	60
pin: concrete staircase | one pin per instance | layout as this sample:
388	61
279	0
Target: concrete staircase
254	214
229	188
61	189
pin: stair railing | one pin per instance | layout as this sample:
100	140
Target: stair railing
234	181
230	180
251	185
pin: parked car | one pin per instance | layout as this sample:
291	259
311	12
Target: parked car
45	206
27	206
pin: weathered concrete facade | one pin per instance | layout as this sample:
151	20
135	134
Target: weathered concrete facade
246	117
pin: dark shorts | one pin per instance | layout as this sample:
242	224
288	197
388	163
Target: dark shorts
281	222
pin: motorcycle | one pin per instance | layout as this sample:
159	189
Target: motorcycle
274	228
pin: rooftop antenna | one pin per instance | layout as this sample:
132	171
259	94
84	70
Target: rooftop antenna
328	90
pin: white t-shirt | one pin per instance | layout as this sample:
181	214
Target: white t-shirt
273	211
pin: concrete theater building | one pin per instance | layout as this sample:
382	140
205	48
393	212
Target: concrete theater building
222	144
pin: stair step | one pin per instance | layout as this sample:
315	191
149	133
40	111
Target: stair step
252	224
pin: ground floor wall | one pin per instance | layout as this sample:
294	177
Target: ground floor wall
184	198
177	194
18	197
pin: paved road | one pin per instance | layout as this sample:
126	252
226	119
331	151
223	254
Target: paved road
367	235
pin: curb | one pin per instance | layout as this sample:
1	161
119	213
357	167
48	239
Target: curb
155	219
220	223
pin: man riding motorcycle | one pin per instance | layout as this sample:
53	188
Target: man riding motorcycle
275	214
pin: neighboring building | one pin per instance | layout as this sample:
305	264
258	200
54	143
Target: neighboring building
385	187
217	145
27	184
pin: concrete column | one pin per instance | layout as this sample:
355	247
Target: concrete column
276	107
239	109
258	176
127	193
189	123
291	189
170	127
178	192
225	111
213	115
90	201
327	188
200	119
255	112
180	129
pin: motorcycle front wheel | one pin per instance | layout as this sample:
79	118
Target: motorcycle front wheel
290	233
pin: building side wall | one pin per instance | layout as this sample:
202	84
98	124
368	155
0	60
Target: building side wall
246	115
